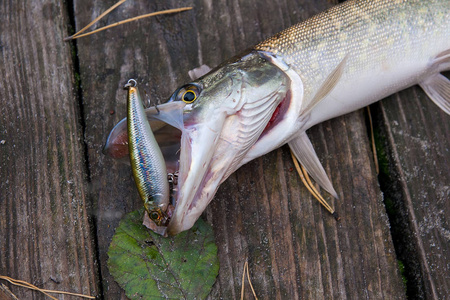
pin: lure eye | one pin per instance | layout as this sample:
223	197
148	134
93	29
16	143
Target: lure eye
155	216
188	93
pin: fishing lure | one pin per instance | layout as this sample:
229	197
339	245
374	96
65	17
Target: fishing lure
146	159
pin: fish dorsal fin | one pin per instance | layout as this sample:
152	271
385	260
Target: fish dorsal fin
327	86
437	86
196	73
304	151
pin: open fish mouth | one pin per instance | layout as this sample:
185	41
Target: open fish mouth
177	143
208	127
188	150
198	156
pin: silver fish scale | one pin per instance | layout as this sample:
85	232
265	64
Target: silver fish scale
361	30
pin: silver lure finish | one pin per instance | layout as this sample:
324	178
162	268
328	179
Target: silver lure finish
147	161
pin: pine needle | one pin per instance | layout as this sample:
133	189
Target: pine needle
309	185
243	285
245	270
78	34
96	20
44	291
249	281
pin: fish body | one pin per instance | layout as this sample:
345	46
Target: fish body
380	47
147	162
338	61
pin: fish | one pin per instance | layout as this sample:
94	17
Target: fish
336	62
146	160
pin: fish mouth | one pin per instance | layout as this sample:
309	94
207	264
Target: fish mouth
199	175
209	153
188	150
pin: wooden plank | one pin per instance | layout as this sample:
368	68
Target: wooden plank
45	236
416	134
262	213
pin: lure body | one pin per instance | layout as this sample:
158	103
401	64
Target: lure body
146	159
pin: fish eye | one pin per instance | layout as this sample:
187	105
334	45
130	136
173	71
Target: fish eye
188	93
189	96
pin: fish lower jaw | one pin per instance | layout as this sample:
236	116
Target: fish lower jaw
195	195
183	217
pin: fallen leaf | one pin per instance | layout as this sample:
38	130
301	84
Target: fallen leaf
149	266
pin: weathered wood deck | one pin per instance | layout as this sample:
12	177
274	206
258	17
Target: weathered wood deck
61	198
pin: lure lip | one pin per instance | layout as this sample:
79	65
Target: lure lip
159	228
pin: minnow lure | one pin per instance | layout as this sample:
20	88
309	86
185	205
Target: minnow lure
147	161
338	61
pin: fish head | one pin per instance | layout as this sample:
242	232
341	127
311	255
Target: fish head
225	113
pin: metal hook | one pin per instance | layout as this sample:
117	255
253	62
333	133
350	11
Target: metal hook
173	178
148	104
130	83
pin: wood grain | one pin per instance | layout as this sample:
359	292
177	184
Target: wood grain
61	198
416	134
45	232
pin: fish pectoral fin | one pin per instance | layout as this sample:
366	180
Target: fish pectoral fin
304	152
327	86
196	73
437	88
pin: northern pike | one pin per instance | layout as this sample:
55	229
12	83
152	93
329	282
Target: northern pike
147	162
338	61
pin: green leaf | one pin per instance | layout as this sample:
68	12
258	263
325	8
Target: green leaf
149	266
